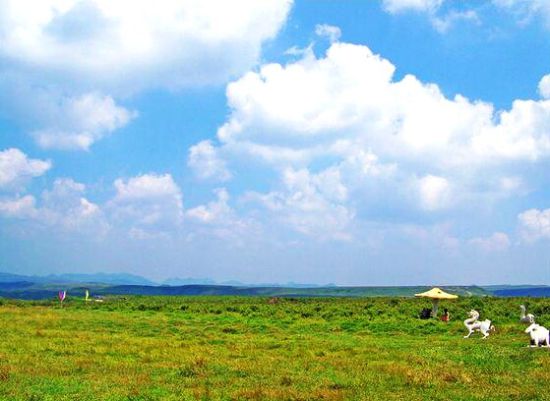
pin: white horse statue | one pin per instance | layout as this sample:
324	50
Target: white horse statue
540	336
473	324
526	318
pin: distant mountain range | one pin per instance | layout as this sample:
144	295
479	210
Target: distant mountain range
530	291
131	279
69	278
40	287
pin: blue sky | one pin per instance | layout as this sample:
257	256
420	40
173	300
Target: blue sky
388	142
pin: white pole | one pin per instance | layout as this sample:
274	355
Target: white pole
435	303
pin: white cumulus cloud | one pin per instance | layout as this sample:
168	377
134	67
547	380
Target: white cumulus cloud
16	168
76	123
139	43
534	224
331	32
441	18
527	10
61	209
219	219
58	55
206	162
435	192
403	138
396	6
20	207
149	202
544	86
66	206
213	211
498	241
310	107
311	204
445	22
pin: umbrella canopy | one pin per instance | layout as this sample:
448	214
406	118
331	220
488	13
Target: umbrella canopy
436	294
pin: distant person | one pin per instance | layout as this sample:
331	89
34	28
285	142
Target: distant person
425	313
445	316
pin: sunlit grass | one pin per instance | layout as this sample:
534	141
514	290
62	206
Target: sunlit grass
179	348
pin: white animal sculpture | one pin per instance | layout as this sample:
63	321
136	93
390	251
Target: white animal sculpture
540	336
529	318
473	324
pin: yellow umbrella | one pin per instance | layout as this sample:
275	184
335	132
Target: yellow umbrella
436	294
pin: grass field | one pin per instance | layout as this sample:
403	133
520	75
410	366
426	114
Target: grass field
237	348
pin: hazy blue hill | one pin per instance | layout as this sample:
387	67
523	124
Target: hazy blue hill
103	278
16	285
39	287
523	292
13	278
28	294
169	290
176	281
511	287
100	278
283	291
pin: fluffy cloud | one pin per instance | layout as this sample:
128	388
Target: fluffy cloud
435	192
534	224
527	9
78	122
218	218
147	187
442	19
16	168
348	137
396	6
445	22
348	104
139	43
496	242
511	184
63	208
313	107
444	14
311	204
145	207
148	202
21	207
57	55
331	32
544	87
206	163
215	211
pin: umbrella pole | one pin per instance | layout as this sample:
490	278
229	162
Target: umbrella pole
435	305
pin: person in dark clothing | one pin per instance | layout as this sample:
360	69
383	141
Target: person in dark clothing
425	313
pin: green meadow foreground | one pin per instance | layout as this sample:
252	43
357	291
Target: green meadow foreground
229	348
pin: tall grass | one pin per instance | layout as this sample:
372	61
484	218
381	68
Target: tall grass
231	348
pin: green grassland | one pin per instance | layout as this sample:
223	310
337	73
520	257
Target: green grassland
244	348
